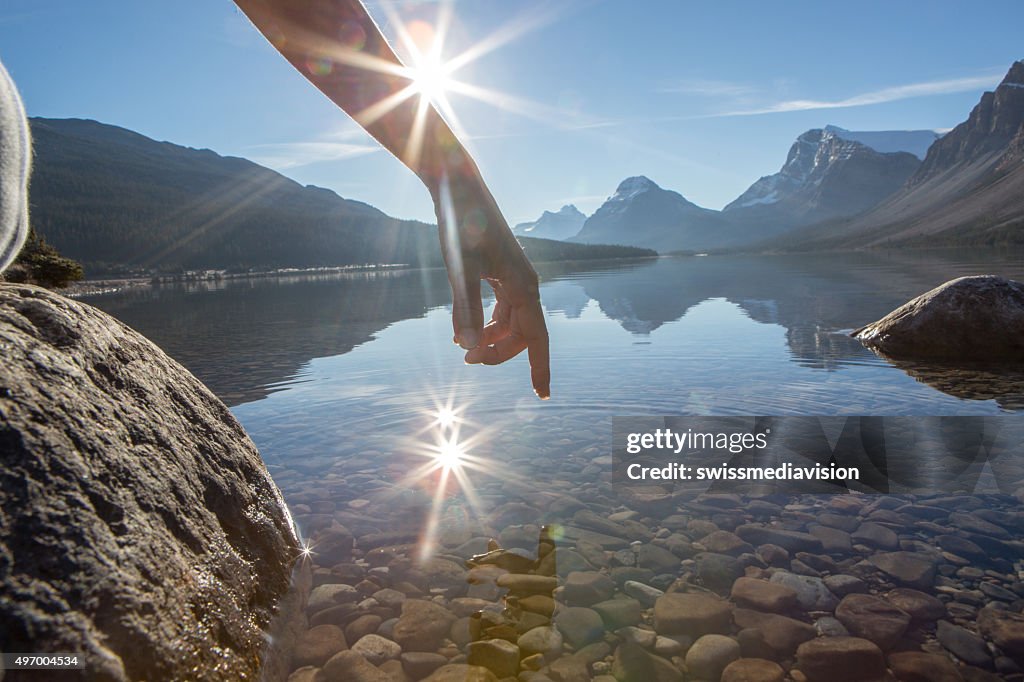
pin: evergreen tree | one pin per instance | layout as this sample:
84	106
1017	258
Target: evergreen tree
39	263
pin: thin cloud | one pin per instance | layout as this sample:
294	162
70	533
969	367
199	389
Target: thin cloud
297	154
709	88
890	94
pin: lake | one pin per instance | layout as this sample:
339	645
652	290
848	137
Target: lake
357	399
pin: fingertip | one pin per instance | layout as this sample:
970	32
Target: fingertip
469	338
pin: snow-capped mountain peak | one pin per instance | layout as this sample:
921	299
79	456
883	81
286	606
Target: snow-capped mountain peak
562	224
631	187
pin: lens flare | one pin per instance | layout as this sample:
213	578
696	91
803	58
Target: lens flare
445	418
449	455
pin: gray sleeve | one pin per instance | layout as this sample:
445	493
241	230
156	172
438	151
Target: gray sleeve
15	162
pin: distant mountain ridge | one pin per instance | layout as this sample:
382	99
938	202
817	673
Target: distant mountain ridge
118	201
969	190
564	223
641	213
914	142
850	189
825	176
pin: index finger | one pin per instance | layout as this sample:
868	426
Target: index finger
536	333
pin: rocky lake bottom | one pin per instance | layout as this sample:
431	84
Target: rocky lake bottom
566	577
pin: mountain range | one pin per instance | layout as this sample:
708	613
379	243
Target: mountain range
851	189
118	201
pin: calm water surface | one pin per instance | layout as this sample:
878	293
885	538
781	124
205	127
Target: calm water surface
346	373
321	369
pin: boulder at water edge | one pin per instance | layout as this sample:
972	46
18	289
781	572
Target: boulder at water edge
965	319
139	526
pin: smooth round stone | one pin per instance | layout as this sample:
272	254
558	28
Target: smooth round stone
997	592
840	659
645	594
376	649
579	625
387	628
780	633
709	656
328	595
718	571
584	588
544	640
691	614
876	535
833	540
811	593
349	665
918	665
632	662
619	612
873	619
316	645
566	668
656	559
828	626
910	568
419	664
497	655
538	603
592	653
306	673
389	597
521	583
467	606
773	555
753	670
724	542
1004	628
763	595
842	584
361	626
460	672
920	606
422	625
631	633
670	646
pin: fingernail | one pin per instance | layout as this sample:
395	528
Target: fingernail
469	338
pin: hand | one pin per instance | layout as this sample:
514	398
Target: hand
477	244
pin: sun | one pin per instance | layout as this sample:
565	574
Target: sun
431	78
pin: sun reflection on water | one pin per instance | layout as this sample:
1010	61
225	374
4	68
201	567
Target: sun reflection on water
452	458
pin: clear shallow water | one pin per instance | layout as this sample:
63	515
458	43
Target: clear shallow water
339	379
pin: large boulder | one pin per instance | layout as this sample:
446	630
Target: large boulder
140	527
969	318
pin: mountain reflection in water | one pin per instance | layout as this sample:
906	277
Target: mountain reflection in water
249	338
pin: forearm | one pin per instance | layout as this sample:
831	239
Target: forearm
337	46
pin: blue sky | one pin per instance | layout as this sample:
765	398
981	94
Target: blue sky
703	98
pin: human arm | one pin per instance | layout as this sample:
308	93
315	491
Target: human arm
336	45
